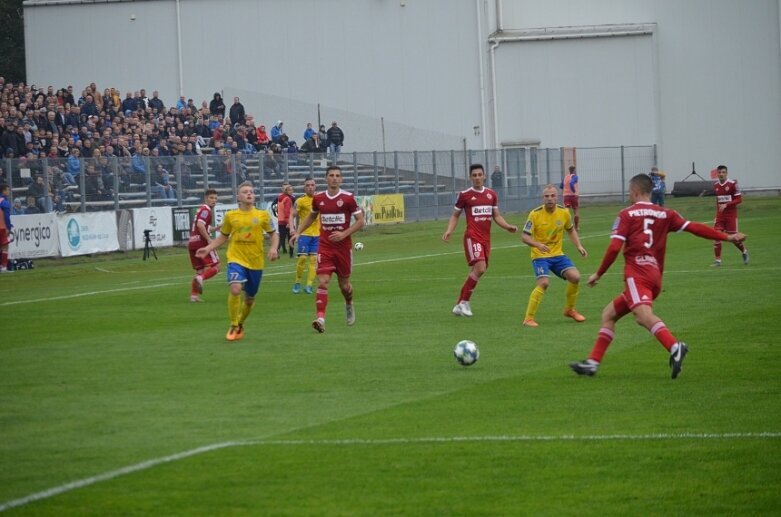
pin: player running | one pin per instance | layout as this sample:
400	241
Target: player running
335	208
206	267
480	204
641	229
728	197
544	233
243	228
309	241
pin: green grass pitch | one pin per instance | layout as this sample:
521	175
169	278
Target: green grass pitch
119	397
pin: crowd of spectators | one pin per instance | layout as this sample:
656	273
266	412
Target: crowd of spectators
83	131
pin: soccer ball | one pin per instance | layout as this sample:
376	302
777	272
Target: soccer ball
358	246
466	353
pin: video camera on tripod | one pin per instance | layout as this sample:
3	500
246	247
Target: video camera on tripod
148	247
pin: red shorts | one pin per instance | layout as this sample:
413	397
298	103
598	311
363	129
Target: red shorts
335	260
726	223
4	237
212	259
571	201
639	290
476	250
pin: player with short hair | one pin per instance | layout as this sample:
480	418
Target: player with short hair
335	208
5	226
244	229
481	206
309	240
206	267
544	233
571	189
728	197
641	229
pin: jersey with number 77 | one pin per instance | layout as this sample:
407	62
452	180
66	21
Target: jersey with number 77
644	227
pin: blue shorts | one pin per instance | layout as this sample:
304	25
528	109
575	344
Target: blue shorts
242	275
558	265
308	244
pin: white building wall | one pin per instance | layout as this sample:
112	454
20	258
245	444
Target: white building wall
718	80
714	97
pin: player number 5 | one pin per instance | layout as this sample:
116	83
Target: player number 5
646	230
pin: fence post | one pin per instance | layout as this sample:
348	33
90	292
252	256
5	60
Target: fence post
417	184
178	172
623	177
376	176
82	187
115	169
453	170
355	171
396	168
435	181
148	167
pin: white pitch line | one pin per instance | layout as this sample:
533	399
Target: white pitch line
107	476
268	273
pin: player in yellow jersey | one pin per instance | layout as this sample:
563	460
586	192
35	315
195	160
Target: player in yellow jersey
309	241
244	230
544	233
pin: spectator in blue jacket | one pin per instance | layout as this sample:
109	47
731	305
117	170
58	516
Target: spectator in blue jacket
277	132
73	165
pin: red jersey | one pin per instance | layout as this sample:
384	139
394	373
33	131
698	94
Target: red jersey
478	205
204	214
727	193
644	227
335	214
284	207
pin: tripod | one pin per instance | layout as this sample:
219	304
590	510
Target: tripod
148	245
693	173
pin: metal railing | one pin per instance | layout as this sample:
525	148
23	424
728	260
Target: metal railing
429	180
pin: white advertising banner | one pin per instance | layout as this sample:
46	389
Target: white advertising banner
83	234
34	236
158	221
220	210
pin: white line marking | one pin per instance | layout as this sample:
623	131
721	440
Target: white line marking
51	492
267	273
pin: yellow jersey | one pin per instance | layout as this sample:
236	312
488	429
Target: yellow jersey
548	228
303	209
246	229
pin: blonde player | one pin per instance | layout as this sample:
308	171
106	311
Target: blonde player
544	233
244	229
309	241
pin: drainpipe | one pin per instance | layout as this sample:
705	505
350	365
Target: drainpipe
482	72
494	109
179	46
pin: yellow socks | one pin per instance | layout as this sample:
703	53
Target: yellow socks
246	308
300	265
234	308
572	295
534	303
312	269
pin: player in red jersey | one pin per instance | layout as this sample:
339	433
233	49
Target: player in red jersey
208	266
335	208
642	230
728	197
480	205
571	187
